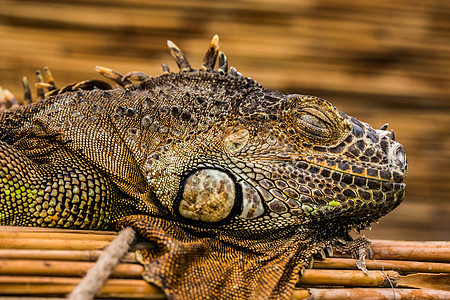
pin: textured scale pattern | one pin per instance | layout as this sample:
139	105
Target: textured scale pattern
237	185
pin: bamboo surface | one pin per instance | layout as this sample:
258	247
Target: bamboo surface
35	269
380	61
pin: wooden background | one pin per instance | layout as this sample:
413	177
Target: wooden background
380	61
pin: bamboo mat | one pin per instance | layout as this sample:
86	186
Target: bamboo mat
380	61
49	263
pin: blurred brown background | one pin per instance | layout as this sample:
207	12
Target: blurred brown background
380	61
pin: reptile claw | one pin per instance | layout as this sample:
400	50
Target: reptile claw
361	262
322	254
342	241
330	251
311	263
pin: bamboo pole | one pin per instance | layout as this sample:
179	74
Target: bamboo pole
426	281
53	244
72	255
63	268
56	235
373	293
405	250
397	265
30	298
58	231
122	288
138	289
349	278
51	255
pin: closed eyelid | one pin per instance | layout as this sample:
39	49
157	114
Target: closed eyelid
316	113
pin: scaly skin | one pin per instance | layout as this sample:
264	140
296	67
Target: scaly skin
204	150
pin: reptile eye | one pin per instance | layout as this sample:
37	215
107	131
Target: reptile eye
313	122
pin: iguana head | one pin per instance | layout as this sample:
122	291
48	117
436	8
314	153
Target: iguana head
234	155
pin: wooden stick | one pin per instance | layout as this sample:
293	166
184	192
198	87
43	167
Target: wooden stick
373	293
73	255
62	268
397	265
420	251
128	288
31	298
53	244
427	281
299	294
349	278
9	229
122	288
57	235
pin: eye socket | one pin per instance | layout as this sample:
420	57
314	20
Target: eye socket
313	122
316	121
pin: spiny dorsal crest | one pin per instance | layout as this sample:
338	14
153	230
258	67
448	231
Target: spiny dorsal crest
46	85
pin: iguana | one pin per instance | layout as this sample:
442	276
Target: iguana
238	186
